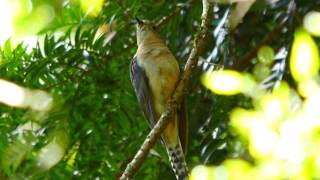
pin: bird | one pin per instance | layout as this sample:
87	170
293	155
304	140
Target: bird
154	73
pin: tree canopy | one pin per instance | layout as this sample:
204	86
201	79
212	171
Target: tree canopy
68	110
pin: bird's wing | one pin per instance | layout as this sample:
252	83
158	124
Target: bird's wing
142	89
183	126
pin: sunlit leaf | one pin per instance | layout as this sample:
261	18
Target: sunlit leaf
263	141
308	88
17	96
266	55
54	151
73	154
50	155
243	120
92	8
200	172
304	59
236	169
276	105
273	169
12	94
95	107
311	22
7	13
225	82
7	50
261	71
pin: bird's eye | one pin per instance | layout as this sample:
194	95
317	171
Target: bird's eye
154	27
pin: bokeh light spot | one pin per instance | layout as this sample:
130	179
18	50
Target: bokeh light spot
6	17
311	22
92	7
266	55
261	71
304	59
273	108
17	96
12	94
237	169
199	173
308	88
224	82
263	141
50	155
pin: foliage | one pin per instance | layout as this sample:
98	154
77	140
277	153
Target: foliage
281	131
93	126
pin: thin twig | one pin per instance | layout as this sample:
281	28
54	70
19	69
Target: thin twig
167	18
154	135
242	63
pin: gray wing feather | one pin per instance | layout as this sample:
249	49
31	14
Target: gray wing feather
183	126
142	89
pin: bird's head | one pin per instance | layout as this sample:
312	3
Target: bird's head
146	30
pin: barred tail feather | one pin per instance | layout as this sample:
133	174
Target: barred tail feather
178	162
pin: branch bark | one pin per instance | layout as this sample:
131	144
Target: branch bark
154	135
173	14
242	63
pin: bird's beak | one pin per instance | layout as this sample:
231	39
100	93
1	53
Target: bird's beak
139	21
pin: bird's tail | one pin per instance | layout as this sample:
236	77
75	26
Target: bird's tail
178	161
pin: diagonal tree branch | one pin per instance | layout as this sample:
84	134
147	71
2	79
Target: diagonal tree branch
154	135
174	13
243	62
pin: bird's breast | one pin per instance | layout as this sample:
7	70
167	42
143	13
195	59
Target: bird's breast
162	71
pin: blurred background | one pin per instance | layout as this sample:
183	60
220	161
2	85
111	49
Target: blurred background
68	110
